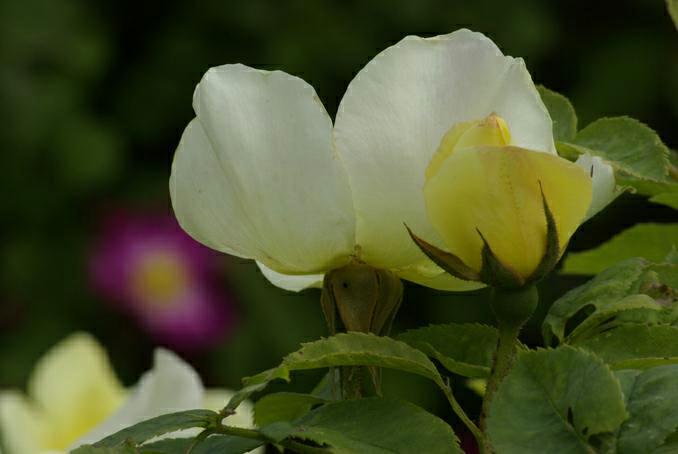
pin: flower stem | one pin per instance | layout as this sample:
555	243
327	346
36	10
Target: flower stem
504	358
512	308
199	439
353	382
470	425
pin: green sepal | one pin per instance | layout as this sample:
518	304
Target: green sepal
390	298
329	306
447	261
494	272
361	298
552	252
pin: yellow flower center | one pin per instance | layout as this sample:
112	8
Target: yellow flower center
159	277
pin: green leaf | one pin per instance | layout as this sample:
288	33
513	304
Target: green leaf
215	444
358	349
562	114
651	397
257	383
635	346
90	449
670	199
168	446
570	151
650	241
464	349
160	425
375	426
607	293
670	445
668	272
629	145
608	314
283	407
553	401
350	349
649	188
636	152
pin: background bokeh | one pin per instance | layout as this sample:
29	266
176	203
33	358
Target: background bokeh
94	97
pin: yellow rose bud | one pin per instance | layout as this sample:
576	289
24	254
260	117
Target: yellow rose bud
492	131
479	187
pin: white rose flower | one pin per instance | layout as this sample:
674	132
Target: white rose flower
262	173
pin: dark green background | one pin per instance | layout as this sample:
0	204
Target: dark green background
94	97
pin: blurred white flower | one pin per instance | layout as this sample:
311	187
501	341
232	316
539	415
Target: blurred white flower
75	398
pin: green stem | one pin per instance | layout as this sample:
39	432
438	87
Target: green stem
470	425
512	308
199	439
352	382
255	435
504	358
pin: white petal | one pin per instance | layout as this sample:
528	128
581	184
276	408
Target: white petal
394	115
256	174
604	185
294	283
197	186
172	385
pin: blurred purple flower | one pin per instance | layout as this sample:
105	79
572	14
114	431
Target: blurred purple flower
163	278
